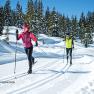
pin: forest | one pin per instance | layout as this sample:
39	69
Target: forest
49	22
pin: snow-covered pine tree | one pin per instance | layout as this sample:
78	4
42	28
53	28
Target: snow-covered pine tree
30	12
1	20
68	24
47	19
74	27
7	18
53	29
82	27
7	14
63	25
85	26
40	9
92	21
41	17
14	20
19	15
38	17
87	39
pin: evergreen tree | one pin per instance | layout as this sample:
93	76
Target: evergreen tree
38	22
82	27
55	26
40	9
1	20
63	24
36	6
30	12
47	19
68	24
89	28
7	18
92	21
86	29
41	17
14	18
89	22
43	26
52	22
34	21
74	26
19	15
7	14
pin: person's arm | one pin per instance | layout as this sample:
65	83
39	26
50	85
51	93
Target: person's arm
72	43
33	37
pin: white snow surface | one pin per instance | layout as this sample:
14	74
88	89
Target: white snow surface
51	74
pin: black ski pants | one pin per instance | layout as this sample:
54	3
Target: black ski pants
29	56
69	53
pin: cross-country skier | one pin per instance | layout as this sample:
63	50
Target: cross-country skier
69	45
26	37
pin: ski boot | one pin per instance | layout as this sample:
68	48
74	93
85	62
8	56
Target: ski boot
70	63
29	71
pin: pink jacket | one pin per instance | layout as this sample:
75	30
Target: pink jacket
26	38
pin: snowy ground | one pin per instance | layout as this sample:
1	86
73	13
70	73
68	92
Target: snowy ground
51	74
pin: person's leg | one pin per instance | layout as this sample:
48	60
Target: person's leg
29	55
33	60
67	52
70	55
30	59
25	50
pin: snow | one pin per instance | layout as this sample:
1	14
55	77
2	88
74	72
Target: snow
51	74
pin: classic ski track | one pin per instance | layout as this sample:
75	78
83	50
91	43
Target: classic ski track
40	82
6	46
7	78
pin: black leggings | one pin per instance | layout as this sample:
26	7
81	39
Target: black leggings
69	52
29	56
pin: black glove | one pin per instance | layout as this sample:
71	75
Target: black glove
36	43
17	31
17	34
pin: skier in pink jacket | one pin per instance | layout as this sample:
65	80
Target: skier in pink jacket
26	37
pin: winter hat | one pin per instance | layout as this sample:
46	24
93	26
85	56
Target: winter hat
67	34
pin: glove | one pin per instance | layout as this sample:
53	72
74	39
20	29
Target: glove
17	31
17	34
36	44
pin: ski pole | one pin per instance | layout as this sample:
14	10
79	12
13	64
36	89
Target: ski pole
64	55
15	57
64	47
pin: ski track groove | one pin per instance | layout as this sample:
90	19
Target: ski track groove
8	78
40	82
7	47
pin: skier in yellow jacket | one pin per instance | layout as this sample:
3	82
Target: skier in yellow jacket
69	45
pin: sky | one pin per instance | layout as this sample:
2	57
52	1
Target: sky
67	7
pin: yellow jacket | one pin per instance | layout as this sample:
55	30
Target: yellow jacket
69	42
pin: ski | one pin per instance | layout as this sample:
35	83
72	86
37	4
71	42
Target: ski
34	63
12	77
16	76
67	68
